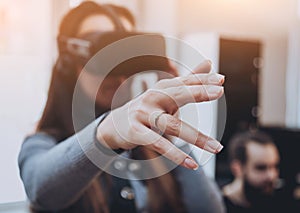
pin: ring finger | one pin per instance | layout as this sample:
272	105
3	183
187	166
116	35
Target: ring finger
164	147
171	125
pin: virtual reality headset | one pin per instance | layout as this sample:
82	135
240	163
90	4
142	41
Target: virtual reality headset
145	52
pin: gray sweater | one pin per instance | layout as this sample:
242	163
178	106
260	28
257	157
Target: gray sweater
55	175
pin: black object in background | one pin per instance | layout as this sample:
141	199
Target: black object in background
239	62
288	143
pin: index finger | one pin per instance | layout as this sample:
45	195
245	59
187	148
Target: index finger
203	67
192	79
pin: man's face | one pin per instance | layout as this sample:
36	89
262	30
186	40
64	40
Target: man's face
261	169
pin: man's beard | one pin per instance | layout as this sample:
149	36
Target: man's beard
258	196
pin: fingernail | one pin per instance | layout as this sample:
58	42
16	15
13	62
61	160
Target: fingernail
191	164
216	78
216	90
220	147
214	146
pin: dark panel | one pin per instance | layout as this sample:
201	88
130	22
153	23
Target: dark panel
241	92
288	143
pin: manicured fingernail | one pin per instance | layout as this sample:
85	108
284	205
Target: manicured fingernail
220	147
191	164
216	78
214	146
215	90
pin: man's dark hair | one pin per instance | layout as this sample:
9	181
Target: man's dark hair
238	144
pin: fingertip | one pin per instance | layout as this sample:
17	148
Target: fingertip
222	78
190	164
203	67
219	148
215	79
216	91
213	146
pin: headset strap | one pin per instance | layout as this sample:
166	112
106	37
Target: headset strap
114	17
74	46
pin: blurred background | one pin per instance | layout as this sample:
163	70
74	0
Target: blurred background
255	43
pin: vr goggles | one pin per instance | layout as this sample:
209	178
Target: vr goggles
84	50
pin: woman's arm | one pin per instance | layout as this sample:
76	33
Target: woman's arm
55	175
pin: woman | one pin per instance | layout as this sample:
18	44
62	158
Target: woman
54	165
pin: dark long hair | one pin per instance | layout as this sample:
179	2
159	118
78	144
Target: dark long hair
57	115
56	120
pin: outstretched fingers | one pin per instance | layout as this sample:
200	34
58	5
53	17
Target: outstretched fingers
193	79
171	125
164	147
171	99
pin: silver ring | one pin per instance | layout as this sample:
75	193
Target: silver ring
153	119
156	119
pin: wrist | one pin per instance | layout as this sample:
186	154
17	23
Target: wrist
101	142
105	141
106	149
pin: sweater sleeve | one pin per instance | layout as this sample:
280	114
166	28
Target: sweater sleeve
56	174
200	193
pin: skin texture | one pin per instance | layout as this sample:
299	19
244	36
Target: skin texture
259	174
262	167
164	100
159	104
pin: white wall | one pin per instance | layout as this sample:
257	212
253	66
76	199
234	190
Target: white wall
159	16
272	87
266	20
247	16
24	70
293	77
